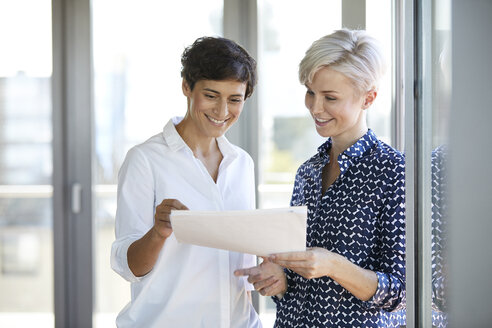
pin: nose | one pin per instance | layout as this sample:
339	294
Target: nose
221	109
314	104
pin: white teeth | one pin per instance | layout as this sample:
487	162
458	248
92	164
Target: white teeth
321	120
215	121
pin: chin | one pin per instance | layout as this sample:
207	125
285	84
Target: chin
323	133
217	132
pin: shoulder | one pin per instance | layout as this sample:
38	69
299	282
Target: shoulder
308	166
242	155
389	153
386	157
145	151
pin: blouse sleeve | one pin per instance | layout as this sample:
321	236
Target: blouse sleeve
297	198
390	292
439	229
135	209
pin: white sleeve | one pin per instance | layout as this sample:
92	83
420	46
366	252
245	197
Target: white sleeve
248	262
135	209
253	185
248	259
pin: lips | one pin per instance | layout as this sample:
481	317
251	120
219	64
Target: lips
322	122
216	121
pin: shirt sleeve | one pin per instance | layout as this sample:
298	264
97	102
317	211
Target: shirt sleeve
248	259
135	209
248	262
297	198
390	292
439	229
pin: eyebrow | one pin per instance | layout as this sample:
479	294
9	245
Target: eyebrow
217	92
324	91
212	90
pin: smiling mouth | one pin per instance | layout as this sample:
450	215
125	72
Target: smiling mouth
213	120
320	120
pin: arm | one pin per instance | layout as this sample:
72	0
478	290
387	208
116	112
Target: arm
143	253
138	238
318	262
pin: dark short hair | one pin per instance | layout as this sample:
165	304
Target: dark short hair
216	58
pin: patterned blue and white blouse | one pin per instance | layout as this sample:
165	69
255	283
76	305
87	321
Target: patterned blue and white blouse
439	233
362	217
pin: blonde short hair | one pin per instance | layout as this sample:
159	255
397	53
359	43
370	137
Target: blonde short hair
353	53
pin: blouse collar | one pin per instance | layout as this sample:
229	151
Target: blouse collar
175	142
358	149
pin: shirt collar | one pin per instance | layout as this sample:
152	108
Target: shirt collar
175	142
356	150
362	145
171	135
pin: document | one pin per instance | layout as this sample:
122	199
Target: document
258	232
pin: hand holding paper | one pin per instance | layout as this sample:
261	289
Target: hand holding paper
259	232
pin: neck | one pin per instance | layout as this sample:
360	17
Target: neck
342	142
199	144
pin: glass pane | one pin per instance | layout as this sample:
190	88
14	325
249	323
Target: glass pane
441	96
378	24
137	86
288	136
26	238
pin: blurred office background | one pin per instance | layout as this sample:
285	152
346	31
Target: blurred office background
83	81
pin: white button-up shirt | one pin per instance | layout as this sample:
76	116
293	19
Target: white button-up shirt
189	286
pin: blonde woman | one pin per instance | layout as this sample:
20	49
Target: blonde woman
352	273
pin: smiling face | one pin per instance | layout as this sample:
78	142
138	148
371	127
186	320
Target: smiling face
213	106
337	110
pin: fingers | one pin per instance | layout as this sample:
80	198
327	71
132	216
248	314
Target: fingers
265	283
255	278
246	272
293	265
289	256
255	275
163	210
272	290
170	204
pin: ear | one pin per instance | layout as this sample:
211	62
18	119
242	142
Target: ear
186	88
369	99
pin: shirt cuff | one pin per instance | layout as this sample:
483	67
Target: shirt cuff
387	295
119	258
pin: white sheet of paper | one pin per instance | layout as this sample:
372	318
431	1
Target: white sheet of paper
259	232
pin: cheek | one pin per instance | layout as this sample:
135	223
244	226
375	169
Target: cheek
308	102
201	104
236	110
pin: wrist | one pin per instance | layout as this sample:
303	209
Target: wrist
155	236
336	266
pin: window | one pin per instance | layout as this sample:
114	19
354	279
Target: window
26	236
287	132
137	89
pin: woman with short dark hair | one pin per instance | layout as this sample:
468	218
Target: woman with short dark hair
190	165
